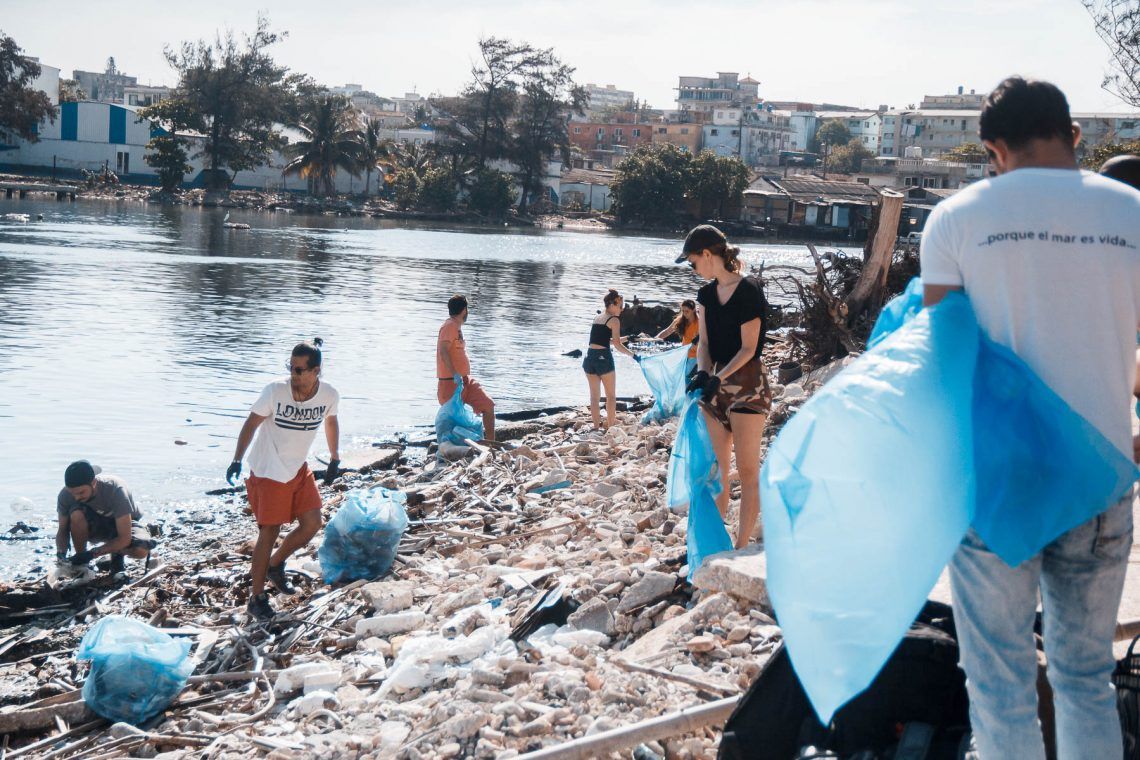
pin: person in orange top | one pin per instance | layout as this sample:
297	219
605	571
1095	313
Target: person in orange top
451	362
686	326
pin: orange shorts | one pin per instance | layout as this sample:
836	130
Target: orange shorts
473	394
277	503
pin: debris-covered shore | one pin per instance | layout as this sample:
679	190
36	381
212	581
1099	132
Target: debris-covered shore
522	612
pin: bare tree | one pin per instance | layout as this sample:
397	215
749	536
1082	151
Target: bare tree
1117	23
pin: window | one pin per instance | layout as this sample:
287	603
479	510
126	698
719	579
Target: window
601	131
577	130
636	132
132	99
720	114
617	132
1128	125
714	132
736	133
661	130
123	162
963	123
684	130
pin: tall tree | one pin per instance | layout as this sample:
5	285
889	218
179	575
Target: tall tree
549	97
496	79
22	107
70	91
376	152
236	95
650	184
968	153
332	141
1117	23
831	132
716	182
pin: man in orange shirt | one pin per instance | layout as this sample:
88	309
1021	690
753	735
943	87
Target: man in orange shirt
451	362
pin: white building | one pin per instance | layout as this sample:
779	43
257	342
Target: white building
756	135
866	126
608	97
47	82
144	95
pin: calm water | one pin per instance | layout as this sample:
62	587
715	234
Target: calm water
129	327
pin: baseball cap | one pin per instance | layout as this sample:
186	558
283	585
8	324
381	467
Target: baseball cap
80	473
699	238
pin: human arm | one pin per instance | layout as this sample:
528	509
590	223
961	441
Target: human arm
62	537
444	350
615	337
121	540
246	435
938	259
704	358
332	436
670	330
749	337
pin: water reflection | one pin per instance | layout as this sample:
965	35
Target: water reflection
130	327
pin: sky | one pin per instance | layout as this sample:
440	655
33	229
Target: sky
862	53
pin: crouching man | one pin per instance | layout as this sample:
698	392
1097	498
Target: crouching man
97	508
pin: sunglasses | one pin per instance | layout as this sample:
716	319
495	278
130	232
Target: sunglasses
296	370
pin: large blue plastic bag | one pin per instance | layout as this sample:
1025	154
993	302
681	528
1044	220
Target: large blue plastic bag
666	374
1042	469
456	421
136	669
865	500
694	479
362	537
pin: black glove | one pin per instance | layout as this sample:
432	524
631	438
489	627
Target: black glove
698	381
712	385
83	557
234	471
332	471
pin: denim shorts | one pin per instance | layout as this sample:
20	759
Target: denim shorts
598	361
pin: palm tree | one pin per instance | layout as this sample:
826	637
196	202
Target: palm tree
333	142
376	151
414	157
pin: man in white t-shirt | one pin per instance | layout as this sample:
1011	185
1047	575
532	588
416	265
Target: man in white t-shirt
1050	259
280	486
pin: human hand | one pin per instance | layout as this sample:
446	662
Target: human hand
1136	449
332	471
698	381
233	471
712	385
83	557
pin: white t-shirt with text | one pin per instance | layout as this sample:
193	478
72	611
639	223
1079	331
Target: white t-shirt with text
1050	259
283	440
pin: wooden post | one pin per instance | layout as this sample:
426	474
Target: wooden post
871	286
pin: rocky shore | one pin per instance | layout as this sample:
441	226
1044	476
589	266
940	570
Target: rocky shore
539	597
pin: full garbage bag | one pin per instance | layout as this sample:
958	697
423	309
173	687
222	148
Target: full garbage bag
136	669
362	537
694	479
666	374
870	487
456	421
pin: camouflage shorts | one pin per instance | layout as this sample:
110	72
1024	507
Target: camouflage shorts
744	391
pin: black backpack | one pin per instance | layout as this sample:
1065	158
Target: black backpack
920	684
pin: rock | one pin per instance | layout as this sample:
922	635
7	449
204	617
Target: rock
742	573
701	644
652	587
389	596
739	633
594	615
322	680
386	625
310	703
393	734
607	490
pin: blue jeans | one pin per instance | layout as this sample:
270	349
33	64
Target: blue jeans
1081	578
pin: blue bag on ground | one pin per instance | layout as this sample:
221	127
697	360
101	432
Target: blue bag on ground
456	421
865	500
694	480
136	669
362	537
666	374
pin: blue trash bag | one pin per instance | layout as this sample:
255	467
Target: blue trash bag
362	537
694	479
136	669
897	312
1042	469
865	500
667	375
456	421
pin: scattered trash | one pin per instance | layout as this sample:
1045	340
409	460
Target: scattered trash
456	422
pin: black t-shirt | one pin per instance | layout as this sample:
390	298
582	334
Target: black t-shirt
722	322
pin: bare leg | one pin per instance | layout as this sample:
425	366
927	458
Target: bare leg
747	432
722	447
266	536
79	530
595	382
308	523
609	381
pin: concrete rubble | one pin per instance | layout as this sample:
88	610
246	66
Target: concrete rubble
422	663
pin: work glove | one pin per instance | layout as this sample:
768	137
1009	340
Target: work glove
637	358
83	557
697	382
712	385
233	472
332	471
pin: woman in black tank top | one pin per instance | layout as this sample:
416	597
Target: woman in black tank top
599	362
735	395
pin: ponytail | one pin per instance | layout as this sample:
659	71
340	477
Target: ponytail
611	298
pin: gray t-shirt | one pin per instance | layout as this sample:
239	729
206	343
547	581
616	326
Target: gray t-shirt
111	499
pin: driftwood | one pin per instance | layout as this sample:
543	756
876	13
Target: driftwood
44	717
685	721
870	289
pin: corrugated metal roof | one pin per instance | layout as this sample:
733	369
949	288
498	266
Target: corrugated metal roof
829	191
588	177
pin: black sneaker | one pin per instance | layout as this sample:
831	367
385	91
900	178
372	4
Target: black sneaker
259	607
117	564
275	574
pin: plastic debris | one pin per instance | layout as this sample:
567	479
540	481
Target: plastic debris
666	374
136	669
694	479
456	421
362	537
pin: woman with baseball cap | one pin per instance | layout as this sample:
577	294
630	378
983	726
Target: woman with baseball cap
735	395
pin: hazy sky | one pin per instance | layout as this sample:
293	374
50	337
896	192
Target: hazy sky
855	52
